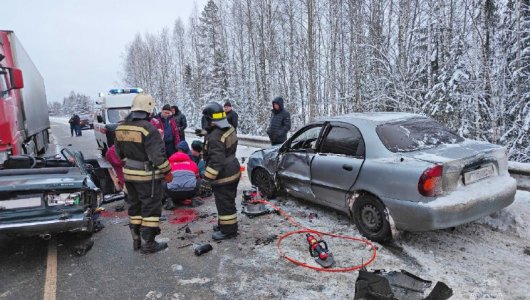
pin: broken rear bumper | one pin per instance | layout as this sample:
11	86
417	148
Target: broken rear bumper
466	204
67	222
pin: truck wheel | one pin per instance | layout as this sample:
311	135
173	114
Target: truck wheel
371	219
264	182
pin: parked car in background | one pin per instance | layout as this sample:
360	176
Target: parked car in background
86	121
388	170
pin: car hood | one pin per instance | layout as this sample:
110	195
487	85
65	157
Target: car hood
42	182
452	152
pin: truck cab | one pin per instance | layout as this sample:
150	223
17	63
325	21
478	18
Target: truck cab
24	120
111	110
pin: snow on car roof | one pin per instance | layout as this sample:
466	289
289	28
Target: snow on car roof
377	117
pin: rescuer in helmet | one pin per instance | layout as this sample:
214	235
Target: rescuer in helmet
222	168
139	143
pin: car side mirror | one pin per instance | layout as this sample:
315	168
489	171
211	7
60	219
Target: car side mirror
100	119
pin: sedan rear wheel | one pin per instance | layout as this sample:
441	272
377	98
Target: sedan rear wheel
264	182
370	218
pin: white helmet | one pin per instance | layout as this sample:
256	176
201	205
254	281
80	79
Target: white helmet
143	102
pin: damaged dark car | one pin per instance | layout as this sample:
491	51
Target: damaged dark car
43	196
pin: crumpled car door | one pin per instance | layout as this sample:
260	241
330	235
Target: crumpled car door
336	168
294	168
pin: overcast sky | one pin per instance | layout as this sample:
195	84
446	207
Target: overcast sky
78	45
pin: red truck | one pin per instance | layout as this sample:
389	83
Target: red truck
24	120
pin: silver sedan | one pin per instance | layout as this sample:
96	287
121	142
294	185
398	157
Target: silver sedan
388	171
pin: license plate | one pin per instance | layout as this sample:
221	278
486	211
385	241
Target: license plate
476	175
20	203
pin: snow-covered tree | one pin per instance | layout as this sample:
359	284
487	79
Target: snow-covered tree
466	63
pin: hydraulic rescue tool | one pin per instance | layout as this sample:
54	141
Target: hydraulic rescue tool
252	206
319	250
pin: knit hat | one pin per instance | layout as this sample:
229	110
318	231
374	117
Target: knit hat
183	145
166	107
197	146
227	103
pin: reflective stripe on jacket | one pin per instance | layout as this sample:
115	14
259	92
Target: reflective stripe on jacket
220	148
140	141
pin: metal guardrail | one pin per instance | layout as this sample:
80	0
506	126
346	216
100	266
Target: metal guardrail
243	139
521	173
253	141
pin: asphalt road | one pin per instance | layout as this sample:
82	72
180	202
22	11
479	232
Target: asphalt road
33	268
111	269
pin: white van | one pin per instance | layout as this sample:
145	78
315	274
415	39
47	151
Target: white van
112	109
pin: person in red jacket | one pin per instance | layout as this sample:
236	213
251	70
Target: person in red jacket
186	180
117	164
157	125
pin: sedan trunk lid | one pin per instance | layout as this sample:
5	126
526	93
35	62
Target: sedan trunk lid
465	163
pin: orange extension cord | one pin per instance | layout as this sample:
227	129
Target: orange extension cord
319	233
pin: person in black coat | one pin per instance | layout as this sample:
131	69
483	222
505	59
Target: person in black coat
180	119
76	121
280	122
72	127
231	116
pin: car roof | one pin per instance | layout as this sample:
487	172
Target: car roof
373	117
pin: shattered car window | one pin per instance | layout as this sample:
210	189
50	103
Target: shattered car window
415	134
307	139
343	141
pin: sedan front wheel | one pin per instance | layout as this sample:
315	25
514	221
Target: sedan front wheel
264	182
370	218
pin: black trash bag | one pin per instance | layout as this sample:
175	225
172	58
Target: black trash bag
397	285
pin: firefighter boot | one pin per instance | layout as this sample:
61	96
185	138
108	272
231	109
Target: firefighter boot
219	235
150	245
135	232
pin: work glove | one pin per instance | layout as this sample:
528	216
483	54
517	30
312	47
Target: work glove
200	132
169	177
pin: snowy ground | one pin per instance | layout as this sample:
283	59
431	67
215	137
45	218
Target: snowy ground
486	259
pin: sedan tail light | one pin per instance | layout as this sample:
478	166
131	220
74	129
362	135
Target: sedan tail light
430	183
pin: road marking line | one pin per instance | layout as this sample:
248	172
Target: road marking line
50	284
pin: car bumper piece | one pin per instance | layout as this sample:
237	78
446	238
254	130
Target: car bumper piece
466	204
73	222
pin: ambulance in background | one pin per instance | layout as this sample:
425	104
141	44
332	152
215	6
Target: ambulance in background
110	110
